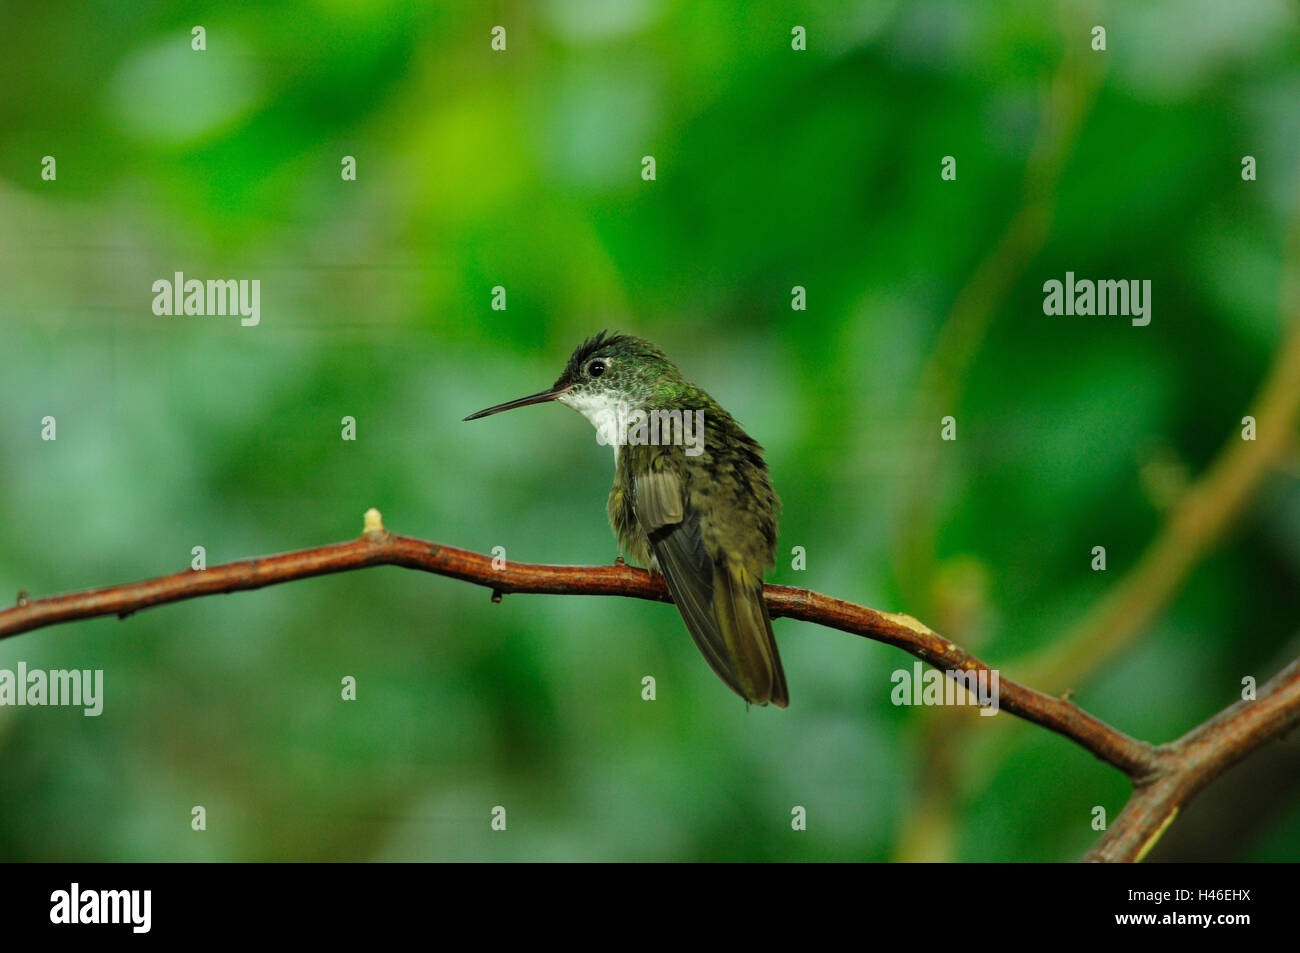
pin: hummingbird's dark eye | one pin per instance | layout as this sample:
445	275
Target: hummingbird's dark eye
596	368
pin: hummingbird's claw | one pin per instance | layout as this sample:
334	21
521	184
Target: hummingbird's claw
619	561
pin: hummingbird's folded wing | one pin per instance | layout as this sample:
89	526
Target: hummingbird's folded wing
725	616
678	545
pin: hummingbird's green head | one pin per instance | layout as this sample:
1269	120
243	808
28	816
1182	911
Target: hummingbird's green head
605	371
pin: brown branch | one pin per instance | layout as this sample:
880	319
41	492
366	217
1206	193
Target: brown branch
1163	777
1196	759
377	547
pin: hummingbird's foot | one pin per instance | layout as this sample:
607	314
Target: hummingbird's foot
618	560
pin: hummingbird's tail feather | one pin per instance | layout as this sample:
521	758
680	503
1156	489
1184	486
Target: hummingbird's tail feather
747	630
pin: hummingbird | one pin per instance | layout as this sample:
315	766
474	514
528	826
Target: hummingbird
692	503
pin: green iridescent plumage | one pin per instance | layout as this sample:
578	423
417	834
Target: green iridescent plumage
697	507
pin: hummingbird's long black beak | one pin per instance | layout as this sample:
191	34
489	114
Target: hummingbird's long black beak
538	398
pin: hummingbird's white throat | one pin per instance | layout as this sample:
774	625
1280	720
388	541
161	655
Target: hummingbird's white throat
619	424
596	406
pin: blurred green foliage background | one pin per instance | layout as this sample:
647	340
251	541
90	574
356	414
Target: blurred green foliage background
522	168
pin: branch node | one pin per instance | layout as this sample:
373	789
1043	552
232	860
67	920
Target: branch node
905	620
374	524
22	597
496	597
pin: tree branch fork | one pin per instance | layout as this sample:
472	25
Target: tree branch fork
1164	777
